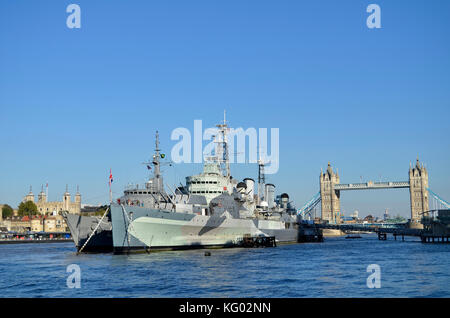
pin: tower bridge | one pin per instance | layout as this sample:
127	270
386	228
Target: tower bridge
329	195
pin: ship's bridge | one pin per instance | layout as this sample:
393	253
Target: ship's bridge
211	183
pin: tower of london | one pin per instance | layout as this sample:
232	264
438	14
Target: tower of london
45	207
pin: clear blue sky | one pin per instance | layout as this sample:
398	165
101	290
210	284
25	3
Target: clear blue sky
74	103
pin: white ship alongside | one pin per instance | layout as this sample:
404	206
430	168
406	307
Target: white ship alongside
211	210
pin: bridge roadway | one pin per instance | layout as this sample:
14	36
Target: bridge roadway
371	185
396	229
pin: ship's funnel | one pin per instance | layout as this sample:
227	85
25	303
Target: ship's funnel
250	187
269	195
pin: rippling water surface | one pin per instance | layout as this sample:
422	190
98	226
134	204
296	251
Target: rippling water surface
335	268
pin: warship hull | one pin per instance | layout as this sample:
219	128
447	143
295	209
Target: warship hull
81	227
145	229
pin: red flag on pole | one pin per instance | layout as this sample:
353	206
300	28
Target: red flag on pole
110	181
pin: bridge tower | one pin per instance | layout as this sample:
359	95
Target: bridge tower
330	198
418	184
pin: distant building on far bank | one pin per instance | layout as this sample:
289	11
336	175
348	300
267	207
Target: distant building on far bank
37	223
48	224
49	218
90	208
45	207
17	224
386	215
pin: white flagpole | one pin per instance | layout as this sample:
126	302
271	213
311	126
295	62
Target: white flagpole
110	191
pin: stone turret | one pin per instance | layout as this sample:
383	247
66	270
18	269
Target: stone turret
78	196
29	196
330	198
418	184
42	197
66	199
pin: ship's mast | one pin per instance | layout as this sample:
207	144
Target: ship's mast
156	164
261	180
222	147
156	181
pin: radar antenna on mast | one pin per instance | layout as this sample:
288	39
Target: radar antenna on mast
156	180
222	155
261	179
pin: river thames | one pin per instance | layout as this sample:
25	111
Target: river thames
335	268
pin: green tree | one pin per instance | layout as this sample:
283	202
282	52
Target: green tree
27	208
101	210
400	218
397	219
7	211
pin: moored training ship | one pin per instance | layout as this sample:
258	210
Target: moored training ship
211	210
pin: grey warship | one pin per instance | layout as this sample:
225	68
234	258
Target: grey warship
212	210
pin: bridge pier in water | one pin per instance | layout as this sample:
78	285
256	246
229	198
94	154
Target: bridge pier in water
382	236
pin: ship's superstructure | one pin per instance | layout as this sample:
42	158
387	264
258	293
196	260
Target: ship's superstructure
215	178
152	194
